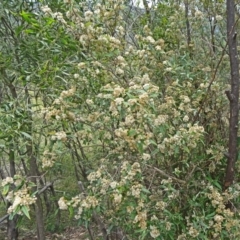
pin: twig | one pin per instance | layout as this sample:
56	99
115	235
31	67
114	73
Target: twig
38	193
168	176
4	218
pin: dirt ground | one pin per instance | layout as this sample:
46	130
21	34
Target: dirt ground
71	233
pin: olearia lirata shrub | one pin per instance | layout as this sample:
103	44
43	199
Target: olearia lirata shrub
156	160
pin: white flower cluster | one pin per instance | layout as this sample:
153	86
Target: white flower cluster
46	9
7	180
57	15
62	203
61	136
48	159
21	198
154	232
68	93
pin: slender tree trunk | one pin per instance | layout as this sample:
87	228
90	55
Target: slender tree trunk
38	204
145	4
186	5
213	27
34	175
12	230
233	97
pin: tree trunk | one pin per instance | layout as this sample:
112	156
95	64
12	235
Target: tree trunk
186	5
34	175
38	204
12	230
233	97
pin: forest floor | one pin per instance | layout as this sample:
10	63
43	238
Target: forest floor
71	233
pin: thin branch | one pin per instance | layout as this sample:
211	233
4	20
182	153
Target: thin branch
4	218
168	176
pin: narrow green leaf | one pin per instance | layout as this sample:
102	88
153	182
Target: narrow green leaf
11	216
5	189
146	190
238	140
71	212
25	211
26	135
132	132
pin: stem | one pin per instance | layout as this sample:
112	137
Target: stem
233	97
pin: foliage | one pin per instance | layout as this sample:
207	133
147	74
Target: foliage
140	114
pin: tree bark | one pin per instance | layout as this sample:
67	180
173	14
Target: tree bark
38	204
145	4
186	5
34	175
12	230
233	97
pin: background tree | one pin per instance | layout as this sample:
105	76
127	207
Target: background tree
233	97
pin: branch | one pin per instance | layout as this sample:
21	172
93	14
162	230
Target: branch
214	75
38	193
4	218
168	176
229	95
44	188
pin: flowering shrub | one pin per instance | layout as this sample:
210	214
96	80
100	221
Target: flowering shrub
18	192
145	124
140	111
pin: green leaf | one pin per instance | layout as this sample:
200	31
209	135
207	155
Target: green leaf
186	149
132	132
140	146
25	211
71	212
238	155
146	190
3	136
26	135
28	17
211	215
5	189
11	216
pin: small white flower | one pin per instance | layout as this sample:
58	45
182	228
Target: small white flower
146	156
119	71
113	184
154	232
219	18
97	11
76	75
150	39
7	180
168	69
119	101
186	118
81	65
88	15
62	204
198	14
89	101
46	9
